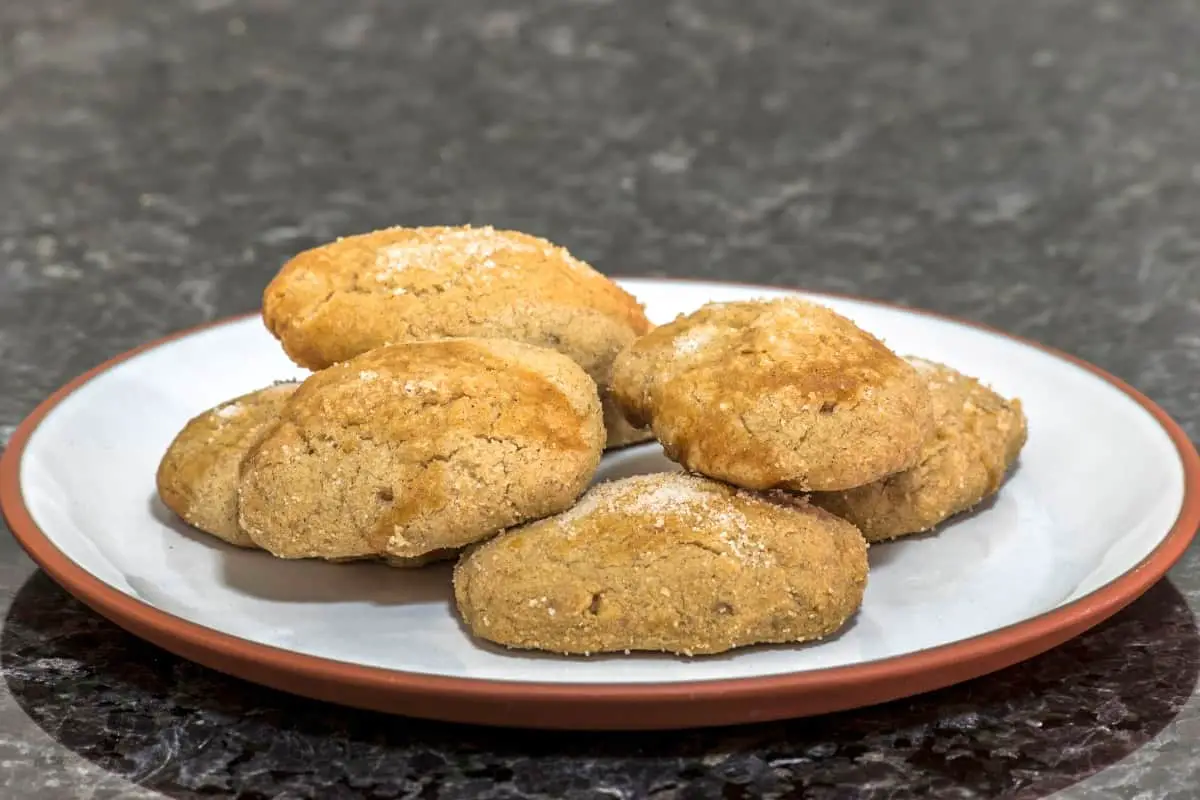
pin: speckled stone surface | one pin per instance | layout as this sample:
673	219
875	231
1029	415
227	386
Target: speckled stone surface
1035	166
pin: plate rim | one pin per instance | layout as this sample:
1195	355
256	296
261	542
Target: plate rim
600	706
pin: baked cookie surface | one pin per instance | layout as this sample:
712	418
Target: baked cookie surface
333	302
977	437
413	448
775	394
198	476
668	562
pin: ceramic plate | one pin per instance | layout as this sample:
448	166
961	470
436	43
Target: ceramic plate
1103	501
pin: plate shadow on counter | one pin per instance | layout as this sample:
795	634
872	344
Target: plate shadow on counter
189	732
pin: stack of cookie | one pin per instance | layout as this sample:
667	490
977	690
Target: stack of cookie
466	383
788	395
812	437
460	388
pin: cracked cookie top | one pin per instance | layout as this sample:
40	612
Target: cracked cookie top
336	301
775	394
669	562
424	446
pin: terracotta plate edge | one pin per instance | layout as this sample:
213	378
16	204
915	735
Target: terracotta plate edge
608	706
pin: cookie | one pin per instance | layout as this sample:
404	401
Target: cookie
977	437
198	477
417	447
775	394
669	562
397	285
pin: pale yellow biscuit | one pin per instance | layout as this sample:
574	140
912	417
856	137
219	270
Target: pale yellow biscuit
198	476
668	562
424	446
977	437
775	394
396	285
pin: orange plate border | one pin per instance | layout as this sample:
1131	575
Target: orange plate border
606	706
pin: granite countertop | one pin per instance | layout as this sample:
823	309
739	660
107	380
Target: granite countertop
1035	166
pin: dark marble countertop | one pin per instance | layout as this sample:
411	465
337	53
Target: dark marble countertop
1031	165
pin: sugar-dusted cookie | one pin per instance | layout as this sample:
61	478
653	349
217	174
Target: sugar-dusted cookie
977	437
333	302
670	562
417	447
775	394
198	476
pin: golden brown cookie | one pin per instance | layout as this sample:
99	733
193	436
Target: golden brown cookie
775	394
198	476
341	299
669	562
417	447
977	438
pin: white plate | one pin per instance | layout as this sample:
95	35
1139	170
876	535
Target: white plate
1100	486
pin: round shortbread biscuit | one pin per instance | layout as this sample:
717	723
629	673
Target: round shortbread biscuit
668	562
425	446
775	394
